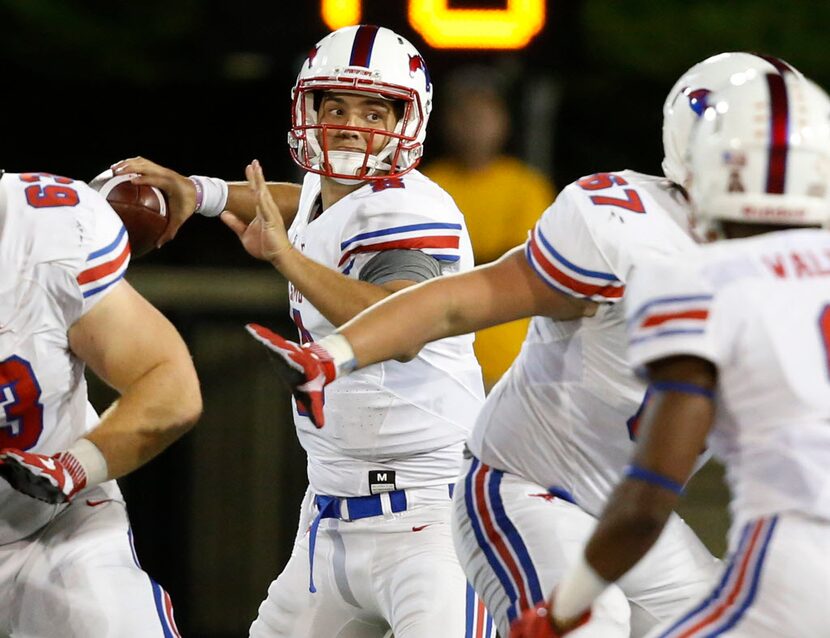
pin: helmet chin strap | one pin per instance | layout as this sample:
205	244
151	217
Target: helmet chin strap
347	182
349	163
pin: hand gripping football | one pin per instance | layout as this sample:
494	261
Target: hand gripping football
142	209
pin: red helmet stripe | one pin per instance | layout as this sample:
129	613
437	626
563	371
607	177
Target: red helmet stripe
364	40
778	63
779	128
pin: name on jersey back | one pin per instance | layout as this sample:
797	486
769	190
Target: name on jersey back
799	264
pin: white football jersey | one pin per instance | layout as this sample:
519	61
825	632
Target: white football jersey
411	418
564	415
759	309
61	250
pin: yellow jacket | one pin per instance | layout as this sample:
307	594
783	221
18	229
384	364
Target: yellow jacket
501	203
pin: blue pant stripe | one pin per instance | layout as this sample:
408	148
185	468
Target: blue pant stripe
716	593
756	577
734	561
159	600
492	559
132	546
471	601
514	538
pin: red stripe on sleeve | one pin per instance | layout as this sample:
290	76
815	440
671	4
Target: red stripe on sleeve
588	290
104	269
657	320
414	243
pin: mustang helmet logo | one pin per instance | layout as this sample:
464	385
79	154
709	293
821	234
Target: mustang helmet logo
416	62
698	100
311	55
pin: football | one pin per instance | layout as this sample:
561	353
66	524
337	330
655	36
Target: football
143	209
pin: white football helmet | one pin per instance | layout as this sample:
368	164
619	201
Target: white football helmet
687	100
761	154
362	60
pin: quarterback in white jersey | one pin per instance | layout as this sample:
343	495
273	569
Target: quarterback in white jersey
555	433
407	420
735	340
67	565
374	549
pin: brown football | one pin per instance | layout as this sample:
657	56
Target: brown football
143	209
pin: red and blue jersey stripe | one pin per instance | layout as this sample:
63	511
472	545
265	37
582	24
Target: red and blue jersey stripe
105	266
669	316
438	240
565	276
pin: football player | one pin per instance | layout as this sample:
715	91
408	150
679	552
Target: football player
556	432
735	341
374	550
67	566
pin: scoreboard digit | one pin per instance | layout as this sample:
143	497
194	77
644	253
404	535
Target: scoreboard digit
445	28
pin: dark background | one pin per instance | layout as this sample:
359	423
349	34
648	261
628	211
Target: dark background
203	87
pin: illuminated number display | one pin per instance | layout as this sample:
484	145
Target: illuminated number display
341	13
444	28
509	28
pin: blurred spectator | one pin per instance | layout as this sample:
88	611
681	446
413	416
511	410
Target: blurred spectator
501	196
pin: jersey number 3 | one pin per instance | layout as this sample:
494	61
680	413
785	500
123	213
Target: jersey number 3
20	398
305	337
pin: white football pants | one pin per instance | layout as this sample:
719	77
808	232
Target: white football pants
775	583
78	577
515	540
397	571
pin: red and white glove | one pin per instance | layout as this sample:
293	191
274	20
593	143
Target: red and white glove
52	479
537	622
307	369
